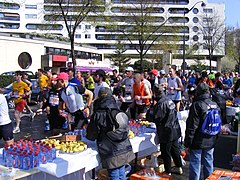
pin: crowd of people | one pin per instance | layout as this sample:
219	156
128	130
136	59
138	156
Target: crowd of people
72	100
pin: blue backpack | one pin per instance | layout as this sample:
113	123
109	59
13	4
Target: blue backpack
212	122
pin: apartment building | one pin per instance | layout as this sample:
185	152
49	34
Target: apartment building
185	16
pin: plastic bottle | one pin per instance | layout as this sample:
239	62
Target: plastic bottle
26	162
35	162
20	161
5	151
30	155
9	159
49	155
15	160
54	152
43	158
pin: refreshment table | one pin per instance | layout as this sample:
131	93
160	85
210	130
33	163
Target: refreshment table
79	165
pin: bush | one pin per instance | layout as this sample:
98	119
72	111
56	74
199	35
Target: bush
6	80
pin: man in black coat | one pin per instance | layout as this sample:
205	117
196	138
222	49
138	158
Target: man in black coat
201	146
164	115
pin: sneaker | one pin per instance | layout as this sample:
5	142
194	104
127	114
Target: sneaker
16	130
177	170
47	127
47	121
33	114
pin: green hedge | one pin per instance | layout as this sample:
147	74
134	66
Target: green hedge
6	80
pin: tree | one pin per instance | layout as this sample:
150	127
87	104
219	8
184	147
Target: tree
198	67
141	27
213	29
141	66
119	59
233	45
72	13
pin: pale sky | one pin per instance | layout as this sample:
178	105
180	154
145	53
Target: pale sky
232	11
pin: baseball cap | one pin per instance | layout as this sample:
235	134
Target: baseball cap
155	72
129	69
62	75
162	72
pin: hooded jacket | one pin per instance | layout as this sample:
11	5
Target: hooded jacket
194	138
113	153
164	115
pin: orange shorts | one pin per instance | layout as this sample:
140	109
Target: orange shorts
20	106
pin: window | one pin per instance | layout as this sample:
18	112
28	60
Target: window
87	26
195	20
207	20
24	60
78	36
31	16
30	6
87	36
195	38
195	10
195	29
208	10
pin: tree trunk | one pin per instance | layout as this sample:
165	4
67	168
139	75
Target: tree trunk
73	54
141	61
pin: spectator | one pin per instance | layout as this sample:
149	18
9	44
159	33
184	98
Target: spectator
6	127
80	78
227	82
71	78
164	115
89	82
200	146
114	154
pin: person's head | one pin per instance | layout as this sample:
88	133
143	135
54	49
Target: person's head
162	73
54	81
78	74
49	73
62	79
114	71
219	85
137	78
25	76
40	72
104	92
154	72
172	72
99	76
70	72
204	76
18	76
158	90
88	74
218	75
129	71
226	75
202	88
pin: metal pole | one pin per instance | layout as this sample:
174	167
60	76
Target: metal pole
184	43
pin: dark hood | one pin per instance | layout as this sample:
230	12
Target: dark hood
106	102
202	97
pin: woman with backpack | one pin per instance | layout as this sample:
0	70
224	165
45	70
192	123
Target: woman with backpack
111	134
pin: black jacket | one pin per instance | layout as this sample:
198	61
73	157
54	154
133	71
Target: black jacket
220	97
164	115
194	139
113	153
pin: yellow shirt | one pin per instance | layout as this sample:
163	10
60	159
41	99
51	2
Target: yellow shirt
43	82
19	88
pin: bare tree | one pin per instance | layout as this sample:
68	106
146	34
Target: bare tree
213	29
233	45
72	13
142	26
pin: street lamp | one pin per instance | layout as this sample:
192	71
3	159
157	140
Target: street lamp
184	42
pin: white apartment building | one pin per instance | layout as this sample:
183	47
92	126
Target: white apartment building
31	16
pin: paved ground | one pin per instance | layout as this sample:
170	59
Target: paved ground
35	130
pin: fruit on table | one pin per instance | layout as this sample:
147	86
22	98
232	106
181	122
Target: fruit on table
229	103
68	147
131	134
145	123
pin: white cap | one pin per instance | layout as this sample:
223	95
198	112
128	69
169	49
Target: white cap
129	69
162	72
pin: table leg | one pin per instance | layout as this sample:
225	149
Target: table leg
93	173
135	161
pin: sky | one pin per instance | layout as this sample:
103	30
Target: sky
232	11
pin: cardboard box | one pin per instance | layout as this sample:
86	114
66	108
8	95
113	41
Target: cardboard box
217	174
142	175
66	137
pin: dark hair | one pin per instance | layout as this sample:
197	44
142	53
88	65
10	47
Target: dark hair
70	69
18	73
40	70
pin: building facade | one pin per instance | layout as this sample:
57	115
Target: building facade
187	17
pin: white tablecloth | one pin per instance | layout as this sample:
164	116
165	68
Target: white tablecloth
68	166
